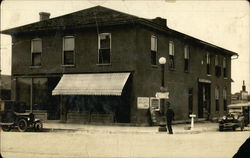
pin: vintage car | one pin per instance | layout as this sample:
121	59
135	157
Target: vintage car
237	117
12	115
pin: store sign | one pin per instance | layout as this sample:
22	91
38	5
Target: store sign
162	95
142	102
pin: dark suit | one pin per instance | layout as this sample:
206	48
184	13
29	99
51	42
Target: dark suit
170	117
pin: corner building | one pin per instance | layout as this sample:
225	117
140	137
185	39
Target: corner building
92	65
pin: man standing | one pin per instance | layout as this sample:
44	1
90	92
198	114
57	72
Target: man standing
170	118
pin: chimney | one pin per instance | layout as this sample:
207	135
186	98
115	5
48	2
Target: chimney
160	21
44	16
243	87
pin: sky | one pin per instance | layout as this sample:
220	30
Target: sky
222	23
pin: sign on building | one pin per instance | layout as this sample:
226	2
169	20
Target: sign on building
142	102
155	103
162	95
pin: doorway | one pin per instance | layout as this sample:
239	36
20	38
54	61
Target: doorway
204	100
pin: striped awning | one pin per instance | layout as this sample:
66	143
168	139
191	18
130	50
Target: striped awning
91	84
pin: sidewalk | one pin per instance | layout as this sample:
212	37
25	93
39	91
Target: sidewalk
178	128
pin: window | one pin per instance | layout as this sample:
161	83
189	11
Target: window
68	50
36	52
208	58
217	66
186	58
171	55
217	97
153	49
225	67
104	48
225	99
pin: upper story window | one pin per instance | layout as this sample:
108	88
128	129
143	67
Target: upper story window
217	66
208	60
153	49
225	67
171	55
217	98
36	52
68	50
104	48
186	58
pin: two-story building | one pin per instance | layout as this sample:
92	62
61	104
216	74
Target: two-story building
98	61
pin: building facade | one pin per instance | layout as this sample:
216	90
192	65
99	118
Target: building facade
94	64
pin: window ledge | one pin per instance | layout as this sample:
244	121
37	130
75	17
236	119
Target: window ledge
225	78
209	75
68	65
108	64
35	67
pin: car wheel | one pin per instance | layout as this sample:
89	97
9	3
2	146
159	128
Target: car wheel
242	127
234	128
22	125
38	126
220	128
6	128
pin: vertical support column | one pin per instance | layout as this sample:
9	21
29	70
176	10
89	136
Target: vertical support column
31	95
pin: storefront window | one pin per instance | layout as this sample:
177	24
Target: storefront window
40	93
23	91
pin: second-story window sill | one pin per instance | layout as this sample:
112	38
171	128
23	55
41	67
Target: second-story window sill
107	64
209	75
225	78
68	65
35	66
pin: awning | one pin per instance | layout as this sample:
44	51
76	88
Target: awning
91	84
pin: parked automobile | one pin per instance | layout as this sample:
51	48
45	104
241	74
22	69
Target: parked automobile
237	117
232	121
13	115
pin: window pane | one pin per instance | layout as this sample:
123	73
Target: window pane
104	41
216	93
40	93
153	57
153	43
186	52
69	43
68	58
224	63
104	56
225	93
23	91
216	60
36	45
171	48
208	58
36	59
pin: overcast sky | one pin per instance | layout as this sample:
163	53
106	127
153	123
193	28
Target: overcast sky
223	23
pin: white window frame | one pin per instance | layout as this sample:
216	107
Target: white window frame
171	48
99	47
63	60
208	58
32	52
154	42
186	52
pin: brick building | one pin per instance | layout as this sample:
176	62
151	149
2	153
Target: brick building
98	61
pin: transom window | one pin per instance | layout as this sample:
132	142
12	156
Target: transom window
36	52
186	58
104	48
171	55
68	50
153	49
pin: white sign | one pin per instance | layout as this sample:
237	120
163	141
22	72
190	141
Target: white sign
142	102
155	104
162	95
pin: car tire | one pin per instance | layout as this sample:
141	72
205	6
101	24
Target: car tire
6	128
22	125
220	128
233	128
242	127
38	126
